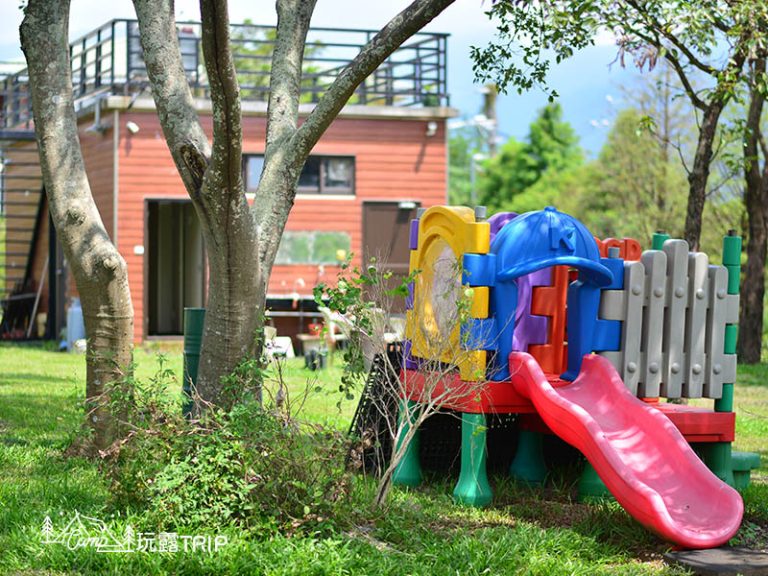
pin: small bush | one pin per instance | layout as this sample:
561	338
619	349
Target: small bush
249	467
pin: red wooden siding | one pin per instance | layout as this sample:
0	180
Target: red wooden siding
394	160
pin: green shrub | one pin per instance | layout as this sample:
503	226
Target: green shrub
248	467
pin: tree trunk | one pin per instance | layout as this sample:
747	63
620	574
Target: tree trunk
235	310
756	208
99	270
699	175
212	175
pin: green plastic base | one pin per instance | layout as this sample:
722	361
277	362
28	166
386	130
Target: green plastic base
528	466
743	463
408	471
473	488
717	457
591	487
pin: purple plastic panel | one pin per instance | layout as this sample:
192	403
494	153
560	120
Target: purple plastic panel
409	298
409	362
530	328
413	238
498	221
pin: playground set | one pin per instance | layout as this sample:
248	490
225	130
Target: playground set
582	338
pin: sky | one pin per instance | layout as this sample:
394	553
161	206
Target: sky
588	86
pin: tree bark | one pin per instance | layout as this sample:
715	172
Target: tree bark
100	272
232	320
756	207
699	175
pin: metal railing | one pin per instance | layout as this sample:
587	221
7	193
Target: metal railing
110	60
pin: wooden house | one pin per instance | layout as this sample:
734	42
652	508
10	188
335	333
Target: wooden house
384	157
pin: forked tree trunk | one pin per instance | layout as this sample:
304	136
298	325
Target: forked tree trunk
212	175
756	207
242	243
99	270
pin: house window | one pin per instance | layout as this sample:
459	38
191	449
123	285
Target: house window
312	247
321	174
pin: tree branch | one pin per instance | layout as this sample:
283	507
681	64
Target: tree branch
277	188
399	29
98	268
84	239
170	89
678	68
226	159
752	172
293	17
664	31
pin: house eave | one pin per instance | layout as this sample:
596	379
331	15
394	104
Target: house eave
250	108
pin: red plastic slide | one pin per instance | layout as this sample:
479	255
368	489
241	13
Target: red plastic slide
643	459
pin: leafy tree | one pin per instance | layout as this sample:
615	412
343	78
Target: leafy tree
635	186
460	152
241	241
710	39
552	145
641	189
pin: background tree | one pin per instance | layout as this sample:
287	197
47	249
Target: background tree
710	39
551	145
99	270
637	184
461	148
252	50
641	190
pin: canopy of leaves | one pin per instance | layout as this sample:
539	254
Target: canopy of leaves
695	37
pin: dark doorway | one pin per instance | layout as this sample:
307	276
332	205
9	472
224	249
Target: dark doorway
176	265
386	227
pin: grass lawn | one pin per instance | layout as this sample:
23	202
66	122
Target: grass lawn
421	532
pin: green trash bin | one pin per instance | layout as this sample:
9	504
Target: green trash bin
194	320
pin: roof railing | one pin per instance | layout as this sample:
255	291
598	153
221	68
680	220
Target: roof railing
110	59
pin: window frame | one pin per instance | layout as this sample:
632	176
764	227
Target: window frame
321	189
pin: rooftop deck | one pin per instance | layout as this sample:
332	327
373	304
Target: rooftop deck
109	60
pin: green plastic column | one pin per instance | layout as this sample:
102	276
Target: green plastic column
408	471
528	466
591	485
658	239
194	319
473	488
719	454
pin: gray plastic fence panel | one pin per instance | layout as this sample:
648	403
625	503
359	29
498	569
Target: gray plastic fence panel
655	262
632	330
674	319
613	307
673	310
718	290
695	325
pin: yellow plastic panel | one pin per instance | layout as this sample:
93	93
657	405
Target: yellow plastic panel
472	365
446	233
480	302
